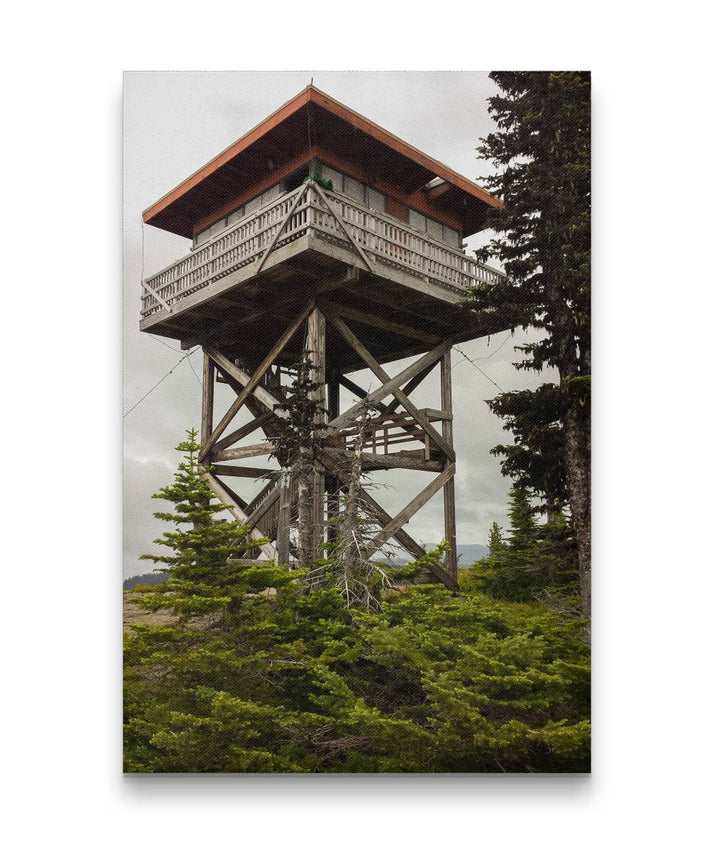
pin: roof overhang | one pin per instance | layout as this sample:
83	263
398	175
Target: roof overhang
310	122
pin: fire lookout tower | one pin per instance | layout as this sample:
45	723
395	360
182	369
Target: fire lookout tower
320	232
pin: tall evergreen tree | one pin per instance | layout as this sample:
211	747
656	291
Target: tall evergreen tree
542	151
535	459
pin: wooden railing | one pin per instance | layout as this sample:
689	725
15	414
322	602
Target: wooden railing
385	241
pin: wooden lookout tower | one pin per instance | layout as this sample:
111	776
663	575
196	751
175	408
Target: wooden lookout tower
319	232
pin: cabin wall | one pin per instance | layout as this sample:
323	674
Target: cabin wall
379	194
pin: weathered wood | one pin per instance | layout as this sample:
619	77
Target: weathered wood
397	460
244	452
379	322
237	374
157	297
283	525
228	282
220	490
333	398
339	221
316	345
242	432
301	194
262	509
407	542
410	387
449	487
413	507
391	386
349	275
242	472
383	376
255	379
208	396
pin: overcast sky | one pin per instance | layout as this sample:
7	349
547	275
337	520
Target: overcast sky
174	123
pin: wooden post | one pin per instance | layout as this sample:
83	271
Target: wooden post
208	390
332	485
283	526
449	487
315	344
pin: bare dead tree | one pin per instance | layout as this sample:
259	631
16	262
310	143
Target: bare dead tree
353	570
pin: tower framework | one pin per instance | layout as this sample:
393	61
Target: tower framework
347	250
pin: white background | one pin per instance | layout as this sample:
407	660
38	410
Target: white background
655	435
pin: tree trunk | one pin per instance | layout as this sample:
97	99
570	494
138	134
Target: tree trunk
350	554
305	506
577	460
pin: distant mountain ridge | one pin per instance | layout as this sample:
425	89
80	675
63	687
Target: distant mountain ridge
152	578
468	554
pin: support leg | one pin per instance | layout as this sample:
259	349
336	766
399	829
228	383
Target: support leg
315	344
449	487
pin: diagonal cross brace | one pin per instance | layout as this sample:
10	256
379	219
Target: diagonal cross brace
384	377
339	221
392	385
252	382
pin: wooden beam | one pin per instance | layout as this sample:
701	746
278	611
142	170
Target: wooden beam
434	193
391	386
407	541
341	223
208	391
237	374
449	487
242	472
316	346
243	452
267	503
217	332
242	432
301	193
383	376
410	387
397	460
220	490
381	323
413	507
256	378
283	525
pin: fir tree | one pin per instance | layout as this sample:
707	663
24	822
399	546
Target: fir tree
542	150
535	459
203	576
495	541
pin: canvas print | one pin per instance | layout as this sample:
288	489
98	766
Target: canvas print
357	422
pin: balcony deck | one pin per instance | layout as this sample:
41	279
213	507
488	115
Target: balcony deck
254	267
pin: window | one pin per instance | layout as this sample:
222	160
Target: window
202	237
417	220
450	236
375	199
238	214
334	176
270	195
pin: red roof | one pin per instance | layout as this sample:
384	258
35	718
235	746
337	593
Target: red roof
313	123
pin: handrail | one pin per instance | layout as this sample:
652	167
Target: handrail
329	216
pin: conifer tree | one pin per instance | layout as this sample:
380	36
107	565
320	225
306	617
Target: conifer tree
542	151
296	447
535	459
495	541
203	577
